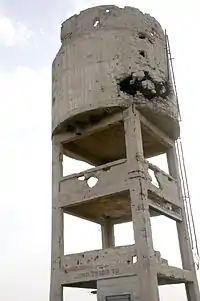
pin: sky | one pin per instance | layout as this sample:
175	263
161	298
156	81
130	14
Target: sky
29	40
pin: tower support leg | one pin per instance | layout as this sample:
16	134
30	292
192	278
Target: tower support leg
192	288
107	232
57	253
146	267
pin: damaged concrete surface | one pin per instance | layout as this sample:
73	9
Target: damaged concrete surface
109	196
111	263
116	58
112	57
142	82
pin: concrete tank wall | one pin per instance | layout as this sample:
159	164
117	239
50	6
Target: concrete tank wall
111	57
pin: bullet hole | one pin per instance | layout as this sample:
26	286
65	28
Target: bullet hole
134	259
142	36
142	53
128	261
96	23
83	255
53	100
78	262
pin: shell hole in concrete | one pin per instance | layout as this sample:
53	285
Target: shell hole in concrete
154	181
92	182
81	294
143	83
160	161
165	239
164	230
80	235
124	234
71	166
172	292
96	23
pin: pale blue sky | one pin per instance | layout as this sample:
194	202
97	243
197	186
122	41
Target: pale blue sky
29	40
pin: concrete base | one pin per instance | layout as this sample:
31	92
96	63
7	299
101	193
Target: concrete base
118	286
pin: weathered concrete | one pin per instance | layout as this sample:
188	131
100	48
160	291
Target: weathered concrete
125	192
192	288
115	262
57	247
112	57
112	181
113	287
113	106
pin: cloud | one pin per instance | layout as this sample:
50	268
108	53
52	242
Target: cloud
13	32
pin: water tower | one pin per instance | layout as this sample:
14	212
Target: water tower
114	106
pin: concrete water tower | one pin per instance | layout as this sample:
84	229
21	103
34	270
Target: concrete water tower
113	106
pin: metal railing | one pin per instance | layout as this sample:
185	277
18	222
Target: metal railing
187	202
170	71
181	165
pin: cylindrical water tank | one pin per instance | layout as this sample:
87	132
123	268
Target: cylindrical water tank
109	58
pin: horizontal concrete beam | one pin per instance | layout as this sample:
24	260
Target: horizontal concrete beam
165	209
99	264
111	178
154	131
163	196
89	130
173	275
91	266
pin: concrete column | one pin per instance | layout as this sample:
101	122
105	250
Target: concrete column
147	275
57	253
107	232
192	289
